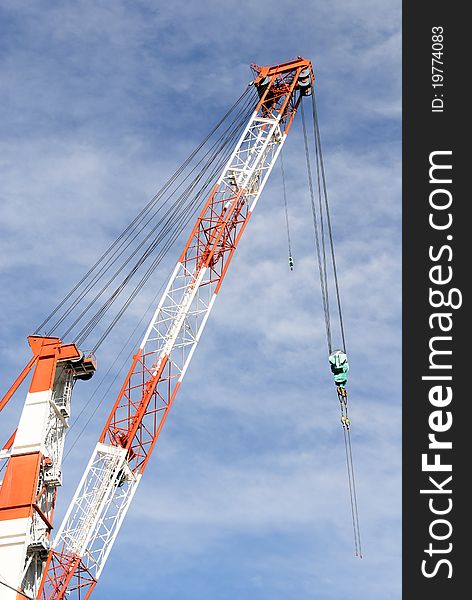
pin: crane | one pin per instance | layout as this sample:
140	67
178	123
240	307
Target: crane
72	565
33	472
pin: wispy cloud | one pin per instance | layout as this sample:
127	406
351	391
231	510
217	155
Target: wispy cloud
247	494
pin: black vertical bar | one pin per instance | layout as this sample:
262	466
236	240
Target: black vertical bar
437	241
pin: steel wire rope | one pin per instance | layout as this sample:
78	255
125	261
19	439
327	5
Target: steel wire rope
143	212
186	195
209	179
323	285
346	426
286	206
216	169
168	223
157	260
89	327
351	491
141	283
100	314
354	492
190	206
14	589
151	203
328	217
171	213
96	390
323	265
106	267
117	254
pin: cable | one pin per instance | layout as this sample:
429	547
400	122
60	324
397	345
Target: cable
118	243
149	272
349	476
290	256
354	492
323	283
106	267
322	265
321	233
170	211
330	233
82	410
234	129
146	209
14	589
189	212
346	424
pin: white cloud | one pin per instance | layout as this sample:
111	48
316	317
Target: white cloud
100	104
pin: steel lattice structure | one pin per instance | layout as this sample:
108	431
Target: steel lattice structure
104	494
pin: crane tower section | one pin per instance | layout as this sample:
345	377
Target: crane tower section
34	454
104	494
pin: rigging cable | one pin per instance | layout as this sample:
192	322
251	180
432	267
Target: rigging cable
316	129
10	587
216	169
116	249
290	255
328	217
184	219
323	230
166	219
123	364
351	491
323	278
354	491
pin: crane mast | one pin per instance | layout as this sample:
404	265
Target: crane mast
34	468
94	517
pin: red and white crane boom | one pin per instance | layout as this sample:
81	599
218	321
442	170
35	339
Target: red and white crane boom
104	494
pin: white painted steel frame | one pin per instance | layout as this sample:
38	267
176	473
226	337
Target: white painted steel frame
45	432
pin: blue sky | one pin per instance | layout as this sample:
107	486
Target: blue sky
246	495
